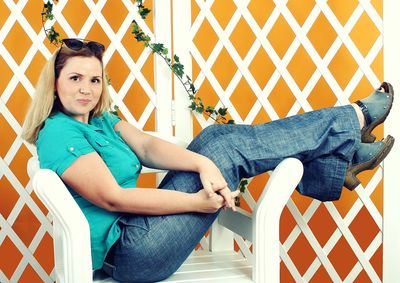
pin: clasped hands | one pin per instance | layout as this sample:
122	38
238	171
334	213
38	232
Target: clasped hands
215	193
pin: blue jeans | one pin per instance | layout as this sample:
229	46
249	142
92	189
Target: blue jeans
151	248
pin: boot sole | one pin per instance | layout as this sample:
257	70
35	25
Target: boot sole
351	181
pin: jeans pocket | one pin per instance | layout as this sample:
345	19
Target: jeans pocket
134	228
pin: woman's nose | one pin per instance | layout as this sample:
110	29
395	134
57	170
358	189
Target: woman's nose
83	91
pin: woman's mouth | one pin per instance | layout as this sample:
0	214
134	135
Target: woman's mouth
83	101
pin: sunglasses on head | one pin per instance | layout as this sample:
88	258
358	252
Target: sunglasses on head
77	44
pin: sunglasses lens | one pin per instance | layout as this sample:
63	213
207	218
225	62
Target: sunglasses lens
95	46
77	44
73	44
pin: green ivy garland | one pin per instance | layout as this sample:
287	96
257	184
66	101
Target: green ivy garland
196	103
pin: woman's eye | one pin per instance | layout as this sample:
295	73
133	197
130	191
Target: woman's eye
97	81
74	78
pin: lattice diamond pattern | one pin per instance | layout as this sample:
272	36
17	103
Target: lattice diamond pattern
270	50
290	57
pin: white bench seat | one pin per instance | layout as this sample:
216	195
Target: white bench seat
205	266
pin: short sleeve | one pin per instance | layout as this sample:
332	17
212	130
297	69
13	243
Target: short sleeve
58	146
111	118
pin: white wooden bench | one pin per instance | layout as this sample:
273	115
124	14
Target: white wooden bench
220	264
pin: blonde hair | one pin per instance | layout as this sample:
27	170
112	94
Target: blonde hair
45	102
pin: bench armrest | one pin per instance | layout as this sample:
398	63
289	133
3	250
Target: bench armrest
262	226
71	234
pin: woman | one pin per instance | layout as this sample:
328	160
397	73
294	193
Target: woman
144	235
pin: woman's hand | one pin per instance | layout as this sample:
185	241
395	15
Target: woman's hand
207	203
213	182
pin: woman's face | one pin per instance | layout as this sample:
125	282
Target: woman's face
79	86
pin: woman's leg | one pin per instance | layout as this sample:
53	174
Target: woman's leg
151	248
324	140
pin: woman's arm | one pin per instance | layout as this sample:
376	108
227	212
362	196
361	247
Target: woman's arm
90	177
157	153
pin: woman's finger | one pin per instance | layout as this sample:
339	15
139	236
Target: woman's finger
219	185
227	195
235	193
207	185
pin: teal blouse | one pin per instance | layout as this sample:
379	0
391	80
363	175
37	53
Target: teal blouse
62	140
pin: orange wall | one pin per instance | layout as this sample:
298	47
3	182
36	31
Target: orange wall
20	227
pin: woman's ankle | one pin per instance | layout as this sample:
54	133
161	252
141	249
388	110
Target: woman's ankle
360	115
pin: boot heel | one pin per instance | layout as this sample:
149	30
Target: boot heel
367	137
351	181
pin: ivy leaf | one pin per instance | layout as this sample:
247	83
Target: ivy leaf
144	12
193	89
231	122
158	47
192	106
47	11
49	7
135	27
222	111
243	184
199	109
178	69
210	109
53	36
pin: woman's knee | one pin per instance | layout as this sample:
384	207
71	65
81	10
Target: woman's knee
207	135
212	131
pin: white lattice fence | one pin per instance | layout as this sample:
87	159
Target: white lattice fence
138	95
239	12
